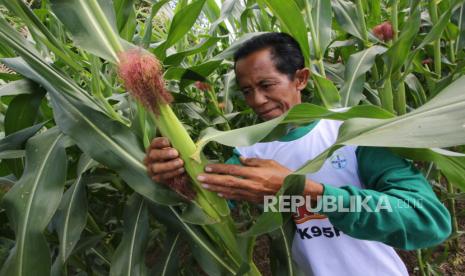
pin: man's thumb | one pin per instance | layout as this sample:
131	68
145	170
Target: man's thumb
251	162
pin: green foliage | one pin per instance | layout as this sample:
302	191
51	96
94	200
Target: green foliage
73	187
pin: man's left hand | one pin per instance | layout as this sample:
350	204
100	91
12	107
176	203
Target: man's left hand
251	182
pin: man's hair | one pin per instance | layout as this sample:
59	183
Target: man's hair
285	51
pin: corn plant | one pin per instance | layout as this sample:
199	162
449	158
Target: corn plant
75	194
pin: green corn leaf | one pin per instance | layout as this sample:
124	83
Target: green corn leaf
281	246
302	113
41	33
434	34
322	16
398	52
14	40
92	25
412	130
18	87
71	216
147	38
211	10
228	53
22	111
437	29
452	165
11	154
10	77
129	256
347	18
358	64
207	254
108	142
329	96
227	9
168	263
123	11
16	140
460	42
32	201
292	20
182	22
177	58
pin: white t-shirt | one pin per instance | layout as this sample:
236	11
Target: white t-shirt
318	247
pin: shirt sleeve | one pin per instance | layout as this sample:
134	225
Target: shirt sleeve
416	218
234	159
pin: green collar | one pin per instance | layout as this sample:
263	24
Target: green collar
298	132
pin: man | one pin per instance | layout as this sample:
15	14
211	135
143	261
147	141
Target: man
270	72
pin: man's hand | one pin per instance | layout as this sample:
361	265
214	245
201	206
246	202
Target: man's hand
251	182
163	162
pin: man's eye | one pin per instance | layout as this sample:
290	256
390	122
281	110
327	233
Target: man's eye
267	85
245	91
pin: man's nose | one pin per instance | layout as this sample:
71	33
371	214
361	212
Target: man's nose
259	98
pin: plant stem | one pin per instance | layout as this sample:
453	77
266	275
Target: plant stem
361	17
141	117
385	96
216	107
420	262
399	95
433	11
453	214
461	15
394	19
315	41
451	51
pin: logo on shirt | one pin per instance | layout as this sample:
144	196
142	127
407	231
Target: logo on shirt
338	161
302	215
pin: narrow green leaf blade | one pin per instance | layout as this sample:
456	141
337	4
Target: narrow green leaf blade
71	216
31	203
106	141
358	64
129	257
182	22
321	14
92	24
290	17
346	16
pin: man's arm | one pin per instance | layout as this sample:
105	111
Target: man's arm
426	222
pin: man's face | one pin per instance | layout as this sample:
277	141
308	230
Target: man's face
267	91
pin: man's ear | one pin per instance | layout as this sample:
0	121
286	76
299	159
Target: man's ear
301	78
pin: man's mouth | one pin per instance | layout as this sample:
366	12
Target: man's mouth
267	112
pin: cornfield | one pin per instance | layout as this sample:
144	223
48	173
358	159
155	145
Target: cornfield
75	195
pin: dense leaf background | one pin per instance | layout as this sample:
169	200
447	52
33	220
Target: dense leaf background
73	188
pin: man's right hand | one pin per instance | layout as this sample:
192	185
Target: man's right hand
163	162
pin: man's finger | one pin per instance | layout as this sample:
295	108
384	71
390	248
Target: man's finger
236	170
158	155
172	174
164	167
224	181
229	193
253	162
159	143
231	182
